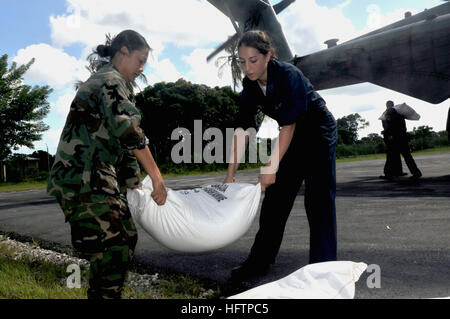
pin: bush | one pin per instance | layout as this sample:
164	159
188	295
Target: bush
42	176
343	150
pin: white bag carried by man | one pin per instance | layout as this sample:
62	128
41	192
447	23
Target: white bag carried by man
196	220
405	110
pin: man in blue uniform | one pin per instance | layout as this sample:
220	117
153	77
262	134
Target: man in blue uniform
397	140
306	152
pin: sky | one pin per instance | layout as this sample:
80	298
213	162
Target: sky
60	34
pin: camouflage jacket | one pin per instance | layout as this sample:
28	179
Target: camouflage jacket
94	159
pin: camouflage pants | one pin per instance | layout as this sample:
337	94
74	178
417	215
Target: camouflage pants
106	235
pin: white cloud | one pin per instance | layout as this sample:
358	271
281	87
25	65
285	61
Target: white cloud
163	70
206	73
160	22
52	66
362	108
62	104
169	21
49	139
306	33
355	89
376	20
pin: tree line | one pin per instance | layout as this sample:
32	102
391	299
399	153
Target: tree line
420	138
165	107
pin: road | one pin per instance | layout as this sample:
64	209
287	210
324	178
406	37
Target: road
402	227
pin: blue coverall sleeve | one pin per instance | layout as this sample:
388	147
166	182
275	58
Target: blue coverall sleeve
294	98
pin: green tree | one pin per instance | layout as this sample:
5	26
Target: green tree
371	144
423	137
372	138
348	127
22	108
423	131
232	59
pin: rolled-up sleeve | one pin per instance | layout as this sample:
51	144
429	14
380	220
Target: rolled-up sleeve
122	117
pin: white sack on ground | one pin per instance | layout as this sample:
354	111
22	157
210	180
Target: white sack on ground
196	220
327	280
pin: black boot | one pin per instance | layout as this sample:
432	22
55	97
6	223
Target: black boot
249	270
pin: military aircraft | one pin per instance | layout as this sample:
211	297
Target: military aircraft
411	56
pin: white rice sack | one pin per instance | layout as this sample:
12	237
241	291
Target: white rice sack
326	280
405	110
196	220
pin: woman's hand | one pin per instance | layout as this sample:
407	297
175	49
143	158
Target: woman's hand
145	157
159	193
229	179
266	180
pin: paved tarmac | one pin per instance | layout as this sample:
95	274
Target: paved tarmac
401	226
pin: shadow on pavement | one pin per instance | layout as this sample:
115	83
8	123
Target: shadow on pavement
370	186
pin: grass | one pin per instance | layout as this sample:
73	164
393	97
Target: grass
22	186
31	185
437	150
26	278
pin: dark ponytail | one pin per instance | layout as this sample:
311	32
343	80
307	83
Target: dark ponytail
104	53
258	40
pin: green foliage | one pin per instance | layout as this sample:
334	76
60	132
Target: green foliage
423	137
22	108
348	127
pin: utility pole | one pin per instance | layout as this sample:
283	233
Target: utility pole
2	171
48	159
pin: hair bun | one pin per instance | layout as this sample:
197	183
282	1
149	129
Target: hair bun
104	50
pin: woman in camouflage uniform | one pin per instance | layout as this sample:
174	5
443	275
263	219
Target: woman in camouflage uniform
96	162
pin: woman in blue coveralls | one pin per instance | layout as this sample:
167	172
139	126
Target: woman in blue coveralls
306	152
